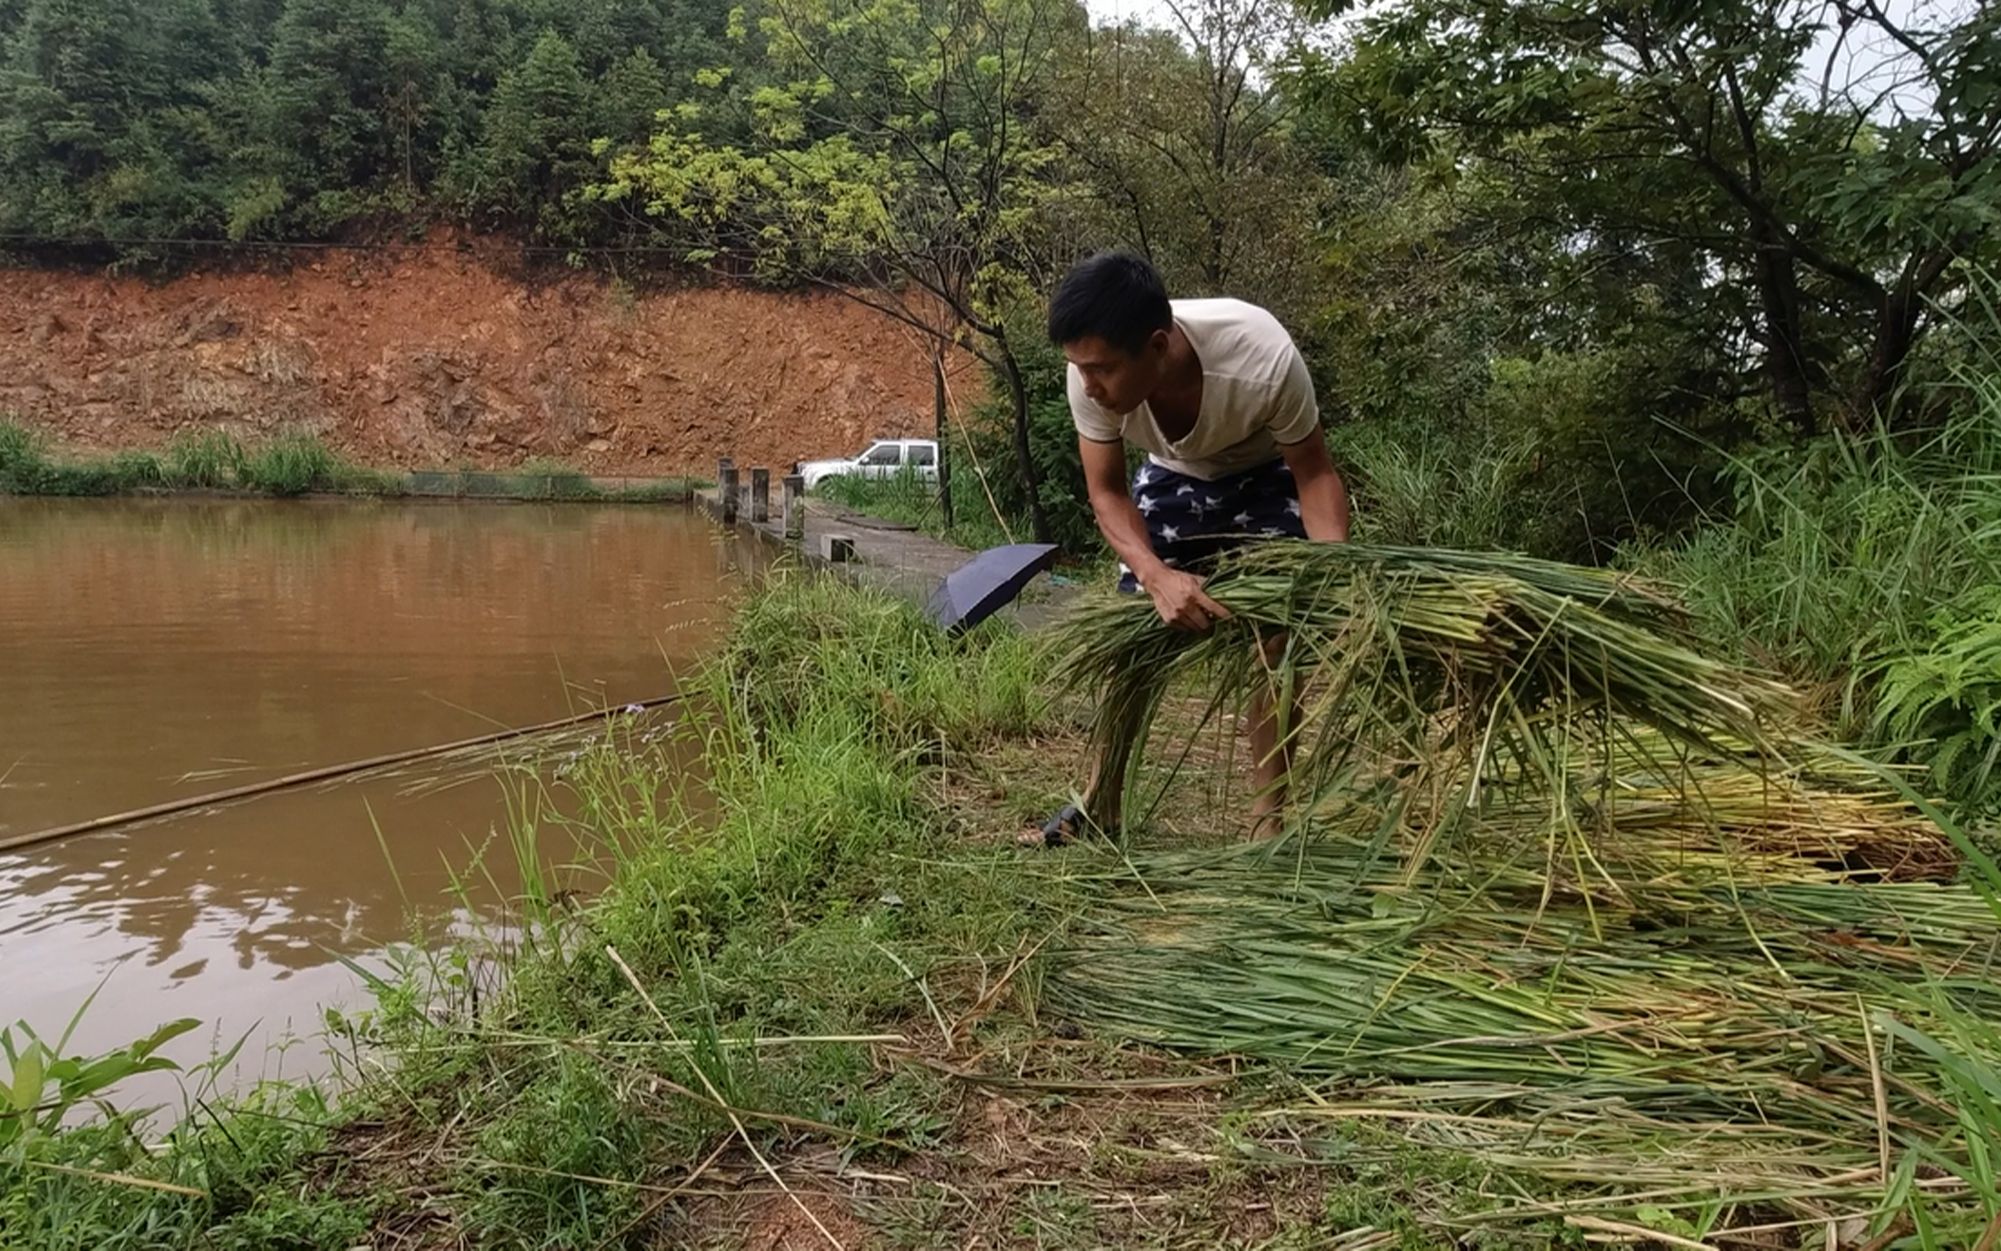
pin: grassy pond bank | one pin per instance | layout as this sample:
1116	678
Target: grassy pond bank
291	465
824	999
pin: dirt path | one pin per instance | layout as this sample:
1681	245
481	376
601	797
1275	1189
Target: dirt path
894	557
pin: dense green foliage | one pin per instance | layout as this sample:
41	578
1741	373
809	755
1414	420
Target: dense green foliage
1864	566
1697	167
281	119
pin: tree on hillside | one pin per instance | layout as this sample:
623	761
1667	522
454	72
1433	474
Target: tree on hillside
626	102
1844	204
415	53
1188	149
98	128
334	98
59	111
603	31
247	119
537	141
891	156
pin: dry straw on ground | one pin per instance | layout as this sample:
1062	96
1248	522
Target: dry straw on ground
1560	890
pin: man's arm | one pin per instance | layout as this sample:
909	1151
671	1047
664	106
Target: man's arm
1295	427
1323	496
1178	596
1118	518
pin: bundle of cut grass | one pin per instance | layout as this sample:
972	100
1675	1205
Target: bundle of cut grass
1724	1030
1662	803
1417	630
1475	680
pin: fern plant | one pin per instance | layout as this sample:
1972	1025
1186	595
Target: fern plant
1942	703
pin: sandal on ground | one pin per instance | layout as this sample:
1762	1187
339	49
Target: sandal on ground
1057	830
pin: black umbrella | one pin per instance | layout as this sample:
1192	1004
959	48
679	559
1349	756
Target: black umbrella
985	584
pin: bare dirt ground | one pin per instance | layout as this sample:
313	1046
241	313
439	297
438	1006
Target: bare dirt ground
442	357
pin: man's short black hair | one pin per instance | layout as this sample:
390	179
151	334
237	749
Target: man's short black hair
1116	296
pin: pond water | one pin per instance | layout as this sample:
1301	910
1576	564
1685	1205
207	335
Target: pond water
161	648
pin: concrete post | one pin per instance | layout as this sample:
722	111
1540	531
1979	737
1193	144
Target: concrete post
795	508
760	496
727	491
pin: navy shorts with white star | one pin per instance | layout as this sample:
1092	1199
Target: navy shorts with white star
1190	522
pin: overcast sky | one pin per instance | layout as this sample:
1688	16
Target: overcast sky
1864	65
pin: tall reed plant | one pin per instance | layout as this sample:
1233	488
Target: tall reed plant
1862	566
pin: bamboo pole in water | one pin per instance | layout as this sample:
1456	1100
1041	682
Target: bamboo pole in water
322	774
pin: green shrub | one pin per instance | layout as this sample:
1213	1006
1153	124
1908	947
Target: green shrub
24	465
290	465
210	459
1942	702
27	469
1415	487
1842	553
1863	564
891	675
137	471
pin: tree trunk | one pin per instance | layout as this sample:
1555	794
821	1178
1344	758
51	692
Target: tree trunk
1785	335
1219	155
1024	458
1897	321
944	441
1896	329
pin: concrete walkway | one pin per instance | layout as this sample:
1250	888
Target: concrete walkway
890	556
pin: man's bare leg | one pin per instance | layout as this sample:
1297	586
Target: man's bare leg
1100	804
1271	760
1271	763
1103	794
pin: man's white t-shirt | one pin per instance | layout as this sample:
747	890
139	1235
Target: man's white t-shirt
1256	395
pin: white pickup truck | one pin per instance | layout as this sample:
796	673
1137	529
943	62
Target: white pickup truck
883	459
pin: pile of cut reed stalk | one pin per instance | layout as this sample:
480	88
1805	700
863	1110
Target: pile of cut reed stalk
1560	890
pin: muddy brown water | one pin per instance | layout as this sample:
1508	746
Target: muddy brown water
155	649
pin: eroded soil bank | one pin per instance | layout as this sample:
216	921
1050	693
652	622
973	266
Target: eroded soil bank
439	356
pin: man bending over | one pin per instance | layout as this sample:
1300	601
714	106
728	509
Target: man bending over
1218	397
